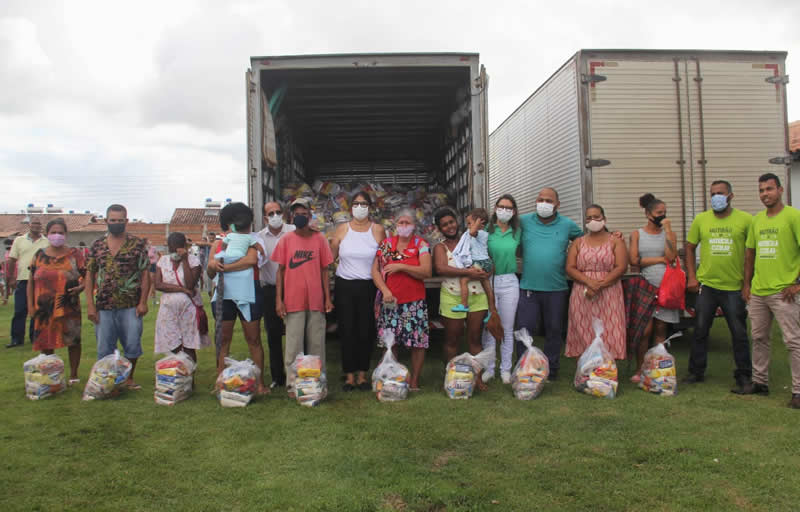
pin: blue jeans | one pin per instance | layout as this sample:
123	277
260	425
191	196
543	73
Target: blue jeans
20	314
122	325
549	308
733	307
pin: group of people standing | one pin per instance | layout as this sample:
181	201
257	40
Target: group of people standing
280	274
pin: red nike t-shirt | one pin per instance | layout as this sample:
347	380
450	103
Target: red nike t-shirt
304	259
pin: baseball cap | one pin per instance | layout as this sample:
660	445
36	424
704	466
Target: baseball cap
301	201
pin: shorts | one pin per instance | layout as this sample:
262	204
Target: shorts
122	325
447	300
230	310
485	265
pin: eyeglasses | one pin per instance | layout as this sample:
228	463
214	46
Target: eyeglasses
360	203
272	214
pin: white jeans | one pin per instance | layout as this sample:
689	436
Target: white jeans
506	297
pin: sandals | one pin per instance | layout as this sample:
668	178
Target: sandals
72	382
459	308
347	387
133	386
365	386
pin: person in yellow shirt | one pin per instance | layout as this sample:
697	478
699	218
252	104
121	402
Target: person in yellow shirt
19	262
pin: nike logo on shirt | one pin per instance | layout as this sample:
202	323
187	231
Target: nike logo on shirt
300	257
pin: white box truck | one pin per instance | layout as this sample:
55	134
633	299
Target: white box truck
381	118
610	125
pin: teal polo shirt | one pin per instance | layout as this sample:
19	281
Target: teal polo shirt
503	250
544	252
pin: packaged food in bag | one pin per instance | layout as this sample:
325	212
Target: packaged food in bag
108	377
237	383
174	378
310	385
659	374
531	371
596	373
44	376
390	378
461	373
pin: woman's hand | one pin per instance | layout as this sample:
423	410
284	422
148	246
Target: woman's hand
391	268
388	297
75	290
476	274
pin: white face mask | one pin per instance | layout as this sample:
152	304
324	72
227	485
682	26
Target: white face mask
405	230
595	225
360	212
545	210
504	214
275	221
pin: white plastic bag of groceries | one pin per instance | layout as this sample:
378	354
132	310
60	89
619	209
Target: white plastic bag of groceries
531	371
310	383
237	383
596	373
659	374
390	378
461	373
44	376
174	378
108	377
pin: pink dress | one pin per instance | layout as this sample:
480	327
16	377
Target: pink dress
176	324
608	306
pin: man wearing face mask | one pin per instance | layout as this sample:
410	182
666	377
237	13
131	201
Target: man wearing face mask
721	233
118	269
19	261
546	236
302	287
273	324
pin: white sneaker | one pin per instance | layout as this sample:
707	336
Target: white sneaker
487	376
505	377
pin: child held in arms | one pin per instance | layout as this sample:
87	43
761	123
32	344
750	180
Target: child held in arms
473	251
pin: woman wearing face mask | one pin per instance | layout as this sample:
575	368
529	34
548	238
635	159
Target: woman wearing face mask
180	324
595	263
54	290
653	247
402	264
504	240
355	243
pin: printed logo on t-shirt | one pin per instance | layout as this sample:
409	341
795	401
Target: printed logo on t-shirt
768	243
721	241
300	257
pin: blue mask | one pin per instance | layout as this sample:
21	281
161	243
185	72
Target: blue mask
719	202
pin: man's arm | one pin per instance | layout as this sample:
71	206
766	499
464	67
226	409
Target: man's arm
280	308
749	265
91	310
691	267
141	308
11	280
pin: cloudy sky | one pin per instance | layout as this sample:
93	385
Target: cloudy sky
143	102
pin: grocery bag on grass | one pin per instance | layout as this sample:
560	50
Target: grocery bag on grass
237	383
108	377
659	375
44	376
310	383
390	378
174	378
461	373
531	371
597	372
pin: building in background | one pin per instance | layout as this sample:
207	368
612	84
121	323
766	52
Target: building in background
794	148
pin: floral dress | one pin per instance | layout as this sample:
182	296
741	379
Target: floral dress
56	315
408	317
176	324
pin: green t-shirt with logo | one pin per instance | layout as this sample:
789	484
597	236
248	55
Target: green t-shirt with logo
722	243
776	241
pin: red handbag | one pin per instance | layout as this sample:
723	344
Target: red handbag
672	292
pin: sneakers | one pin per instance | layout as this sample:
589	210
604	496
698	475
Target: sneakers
487	376
693	378
505	377
794	403
459	308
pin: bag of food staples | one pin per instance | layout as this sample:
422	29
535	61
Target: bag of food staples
237	383
531	371
463	371
596	373
390	378
108	377
659	375
310	383
174	378
44	376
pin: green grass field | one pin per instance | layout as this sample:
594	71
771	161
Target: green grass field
703	449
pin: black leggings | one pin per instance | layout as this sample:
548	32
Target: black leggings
356	315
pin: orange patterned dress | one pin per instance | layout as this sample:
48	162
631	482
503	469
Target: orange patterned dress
608	306
56	315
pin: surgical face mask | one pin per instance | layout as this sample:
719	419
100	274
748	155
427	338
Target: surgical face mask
719	202
275	221
658	220
116	229
175	256
360	212
57	239
405	230
504	214
300	221
545	210
595	225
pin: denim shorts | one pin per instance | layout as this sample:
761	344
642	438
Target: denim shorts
122	325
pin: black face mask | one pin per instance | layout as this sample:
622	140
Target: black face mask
300	221
658	220
116	229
